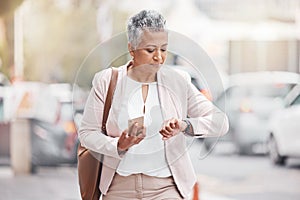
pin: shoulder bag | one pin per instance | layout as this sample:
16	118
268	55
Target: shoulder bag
89	168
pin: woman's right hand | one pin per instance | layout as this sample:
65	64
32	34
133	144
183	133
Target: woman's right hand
132	137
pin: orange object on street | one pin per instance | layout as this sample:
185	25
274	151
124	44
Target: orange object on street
196	191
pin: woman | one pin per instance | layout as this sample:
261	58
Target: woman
147	159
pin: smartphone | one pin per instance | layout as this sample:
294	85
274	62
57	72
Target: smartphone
140	121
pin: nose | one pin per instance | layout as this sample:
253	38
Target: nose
157	56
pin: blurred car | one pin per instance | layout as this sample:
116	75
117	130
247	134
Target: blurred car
49	109
284	129
5	114
249	100
55	142
4	123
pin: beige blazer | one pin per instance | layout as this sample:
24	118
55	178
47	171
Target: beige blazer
178	98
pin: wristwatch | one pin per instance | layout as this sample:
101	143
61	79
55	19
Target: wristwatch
189	128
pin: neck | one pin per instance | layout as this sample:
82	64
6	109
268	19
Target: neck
141	74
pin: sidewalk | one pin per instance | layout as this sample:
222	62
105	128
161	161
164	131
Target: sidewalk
50	183
206	196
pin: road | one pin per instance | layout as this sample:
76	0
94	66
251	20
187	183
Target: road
244	177
221	174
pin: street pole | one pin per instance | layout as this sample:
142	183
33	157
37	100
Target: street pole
20	138
18	44
20	146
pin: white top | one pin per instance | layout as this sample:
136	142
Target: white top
147	157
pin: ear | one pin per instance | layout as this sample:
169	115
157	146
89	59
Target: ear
130	49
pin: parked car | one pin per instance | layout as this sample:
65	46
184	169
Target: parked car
55	142
49	109
284	129
249	99
5	116
4	126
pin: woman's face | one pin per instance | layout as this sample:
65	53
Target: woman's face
151	52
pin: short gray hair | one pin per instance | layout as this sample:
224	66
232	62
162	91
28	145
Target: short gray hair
146	19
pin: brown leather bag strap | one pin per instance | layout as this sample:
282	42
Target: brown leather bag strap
109	96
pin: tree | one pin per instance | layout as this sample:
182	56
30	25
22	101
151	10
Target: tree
56	39
7	8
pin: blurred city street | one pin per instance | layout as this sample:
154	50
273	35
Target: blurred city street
243	56
221	175
230	175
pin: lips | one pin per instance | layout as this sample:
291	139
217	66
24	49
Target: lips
155	65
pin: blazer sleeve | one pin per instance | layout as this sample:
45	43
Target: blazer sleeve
90	133
207	120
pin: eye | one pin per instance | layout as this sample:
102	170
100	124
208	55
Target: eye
150	50
163	50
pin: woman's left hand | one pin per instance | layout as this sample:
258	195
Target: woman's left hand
172	127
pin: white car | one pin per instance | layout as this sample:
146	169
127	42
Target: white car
284	128
249	100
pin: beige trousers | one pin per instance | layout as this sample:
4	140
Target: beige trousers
140	186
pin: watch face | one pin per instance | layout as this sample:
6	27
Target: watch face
188	129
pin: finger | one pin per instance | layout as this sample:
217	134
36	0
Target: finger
175	121
173	125
124	134
177	124
164	133
169	129
165	138
138	140
140	136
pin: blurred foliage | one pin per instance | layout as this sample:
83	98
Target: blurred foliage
3	51
8	6
56	40
59	35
